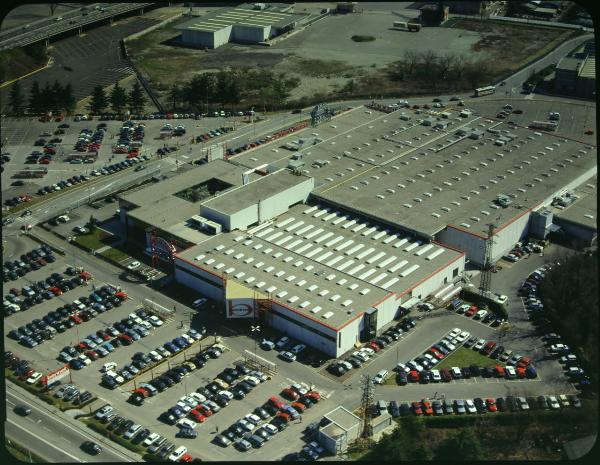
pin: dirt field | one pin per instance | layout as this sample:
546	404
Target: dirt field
325	58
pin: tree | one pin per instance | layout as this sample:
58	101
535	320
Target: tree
92	223
16	98
137	99
118	98
411	59
175	95
57	96
46	98
68	99
99	99
463	446
35	98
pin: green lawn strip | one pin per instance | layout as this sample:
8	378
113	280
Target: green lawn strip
93	240
114	255
21	453
464	357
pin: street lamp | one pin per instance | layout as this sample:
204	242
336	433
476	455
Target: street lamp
255	329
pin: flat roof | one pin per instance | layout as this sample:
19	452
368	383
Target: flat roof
589	68
238	198
220	19
321	261
159	206
422	179
583	211
343	418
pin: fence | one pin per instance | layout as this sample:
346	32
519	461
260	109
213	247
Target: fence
258	363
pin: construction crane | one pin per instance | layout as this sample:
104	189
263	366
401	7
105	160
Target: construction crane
486	273
366	429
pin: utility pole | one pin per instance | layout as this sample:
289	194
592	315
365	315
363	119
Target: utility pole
366	429
486	272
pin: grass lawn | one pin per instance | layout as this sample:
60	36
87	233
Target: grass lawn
94	239
115	255
21	453
463	357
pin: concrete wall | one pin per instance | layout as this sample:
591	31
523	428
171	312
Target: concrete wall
242	33
348	336
206	39
472	245
303	329
200	280
434	282
505	239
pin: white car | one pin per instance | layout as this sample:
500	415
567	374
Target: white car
299	389
448	344
145	324
178	453
559	348
80	230
252	380
479	344
151	439
272	430
85	359
155	321
463	308
480	314
154	355
455	332
435	376
553	401
135	318
34	377
431	359
252	418
470	406
415	366
402	367
298	348
501	299
245	425
162	351
133	265
197	396
183	406
380	377
564	401
523	403
462	337
226	394
367	350
361	356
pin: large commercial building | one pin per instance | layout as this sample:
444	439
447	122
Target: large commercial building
245	24
381	213
576	73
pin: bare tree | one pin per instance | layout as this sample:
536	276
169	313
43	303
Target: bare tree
429	59
445	63
411	59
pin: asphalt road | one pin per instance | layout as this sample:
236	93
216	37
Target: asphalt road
54	436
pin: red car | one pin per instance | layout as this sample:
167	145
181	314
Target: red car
120	295
413	376
521	372
103	335
203	411
290	394
197	416
500	372
55	291
276	402
426	405
125	339
436	353
471	311
491	405
284	416
373	345
299	406
75	319
45	161
313	395
186	458
416	406
446	374
524	362
488	347
92	354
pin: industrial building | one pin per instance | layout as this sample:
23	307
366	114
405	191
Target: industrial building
381	212
339	428
251	24
579	220
575	74
439	185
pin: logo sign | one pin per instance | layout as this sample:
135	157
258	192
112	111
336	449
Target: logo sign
240	310
56	375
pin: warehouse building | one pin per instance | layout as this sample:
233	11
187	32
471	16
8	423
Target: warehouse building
579	220
575	74
327	278
440	185
245	24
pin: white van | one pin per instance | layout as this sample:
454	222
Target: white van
108	367
132	431
381	377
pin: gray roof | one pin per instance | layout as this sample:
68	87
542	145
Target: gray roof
569	64
364	165
311	249
158	205
585	210
344	418
220	19
262	188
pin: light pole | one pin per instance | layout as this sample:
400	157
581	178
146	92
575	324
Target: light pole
255	329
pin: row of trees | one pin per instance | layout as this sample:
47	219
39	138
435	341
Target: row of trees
449	70
119	99
231	88
59	98
55	98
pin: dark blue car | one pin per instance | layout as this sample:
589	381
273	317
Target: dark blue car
180	342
